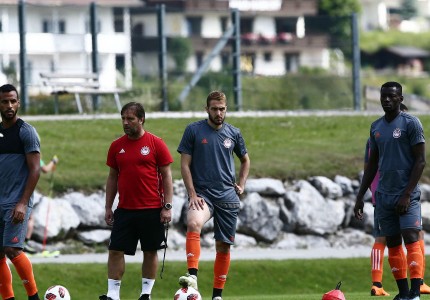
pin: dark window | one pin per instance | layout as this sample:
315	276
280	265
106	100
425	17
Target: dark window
1	26
224	23
62	26
120	62
194	25
267	56
118	20
246	25
137	30
292	62
47	26
199	59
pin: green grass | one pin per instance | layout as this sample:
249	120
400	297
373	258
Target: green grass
279	147
260	279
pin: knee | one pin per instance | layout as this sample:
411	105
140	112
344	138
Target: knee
193	225
12	252
410	236
222	247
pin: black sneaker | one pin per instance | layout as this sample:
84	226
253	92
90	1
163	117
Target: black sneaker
414	295
400	298
145	297
104	297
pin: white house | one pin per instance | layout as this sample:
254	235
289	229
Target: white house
58	39
274	36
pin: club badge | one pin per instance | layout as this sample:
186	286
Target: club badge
145	150
397	133
227	143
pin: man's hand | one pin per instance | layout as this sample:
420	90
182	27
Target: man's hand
18	213
109	217
358	208
403	205
196	203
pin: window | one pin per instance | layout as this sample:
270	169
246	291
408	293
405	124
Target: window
47	26
118	19
62	26
1	26
292	62
194	25
199	59
224	23
267	56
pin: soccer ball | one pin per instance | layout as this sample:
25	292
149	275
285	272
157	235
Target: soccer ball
57	292
187	293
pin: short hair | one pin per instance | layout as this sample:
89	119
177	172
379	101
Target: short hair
215	95
137	107
7	88
394	84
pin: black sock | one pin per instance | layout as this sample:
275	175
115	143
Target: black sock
193	271
216	292
378	284
34	297
403	286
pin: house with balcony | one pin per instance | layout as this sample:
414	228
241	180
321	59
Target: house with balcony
275	39
58	39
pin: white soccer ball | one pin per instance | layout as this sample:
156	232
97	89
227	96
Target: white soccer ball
57	292
187	293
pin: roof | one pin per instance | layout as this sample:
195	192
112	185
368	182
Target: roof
108	3
408	51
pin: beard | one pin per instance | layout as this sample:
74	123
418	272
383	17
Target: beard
216	121
8	115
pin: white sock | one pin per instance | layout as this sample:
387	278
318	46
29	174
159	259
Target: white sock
113	288
147	285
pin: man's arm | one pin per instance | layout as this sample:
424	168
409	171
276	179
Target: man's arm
33	165
194	201
111	190
369	174
166	174
245	165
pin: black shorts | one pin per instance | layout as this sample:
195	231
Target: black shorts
131	226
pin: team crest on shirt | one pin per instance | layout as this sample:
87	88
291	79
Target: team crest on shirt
397	133
145	150
227	143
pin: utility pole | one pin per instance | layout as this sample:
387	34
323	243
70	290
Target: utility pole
237	79
22	55
356	62
161	12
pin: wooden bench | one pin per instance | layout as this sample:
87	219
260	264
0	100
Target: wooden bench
77	84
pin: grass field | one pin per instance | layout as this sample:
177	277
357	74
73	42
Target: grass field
279	147
260	279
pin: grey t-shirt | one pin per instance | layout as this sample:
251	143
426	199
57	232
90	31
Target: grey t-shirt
15	143
212	165
394	141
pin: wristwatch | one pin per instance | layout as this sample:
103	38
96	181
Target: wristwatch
167	206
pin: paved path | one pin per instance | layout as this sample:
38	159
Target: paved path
236	254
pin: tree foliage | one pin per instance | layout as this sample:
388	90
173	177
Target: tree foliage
179	49
408	9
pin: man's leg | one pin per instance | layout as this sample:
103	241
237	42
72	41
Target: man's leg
221	267
398	264
377	264
424	288
6	290
116	269
149	271
414	259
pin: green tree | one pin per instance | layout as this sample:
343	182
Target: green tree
408	9
339	15
179	49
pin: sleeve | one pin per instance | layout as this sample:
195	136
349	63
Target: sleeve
111	161
163	154
186	144
240	147
30	138
367	151
415	132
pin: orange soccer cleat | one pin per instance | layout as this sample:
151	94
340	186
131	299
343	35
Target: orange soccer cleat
424	289
376	291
